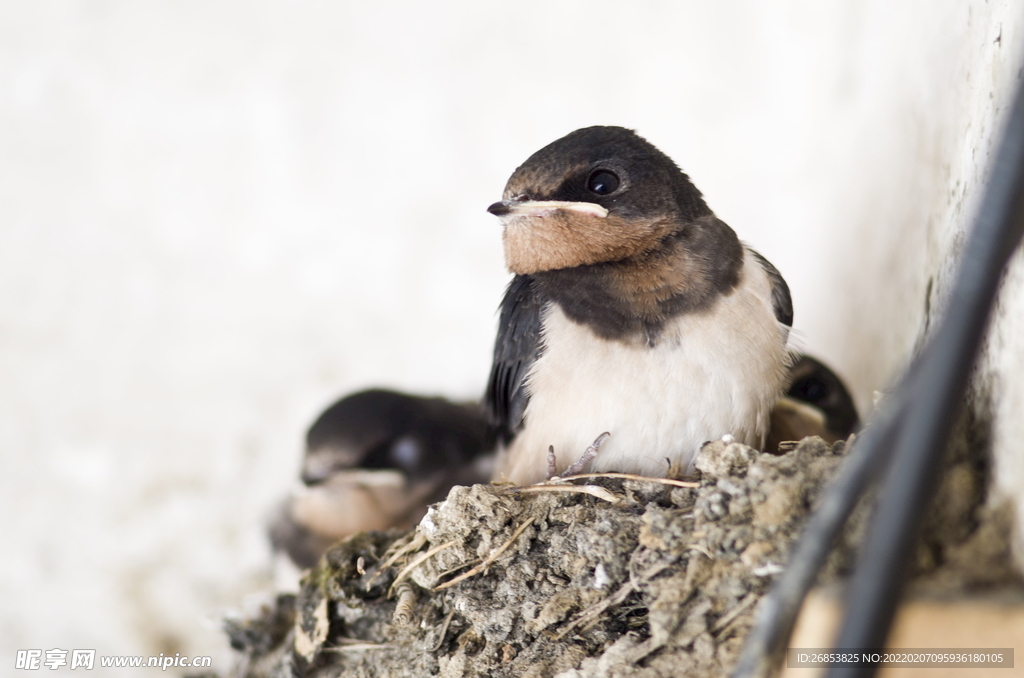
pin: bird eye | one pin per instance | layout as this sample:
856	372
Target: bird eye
603	182
809	390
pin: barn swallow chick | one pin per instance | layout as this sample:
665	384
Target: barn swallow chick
816	403
634	311
374	460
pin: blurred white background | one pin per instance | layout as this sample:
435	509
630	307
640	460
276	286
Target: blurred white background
217	216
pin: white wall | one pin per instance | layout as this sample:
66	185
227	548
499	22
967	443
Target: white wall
217	216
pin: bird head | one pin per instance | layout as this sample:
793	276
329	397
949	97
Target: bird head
596	195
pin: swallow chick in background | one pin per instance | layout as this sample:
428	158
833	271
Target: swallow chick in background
816	403
374	460
634	311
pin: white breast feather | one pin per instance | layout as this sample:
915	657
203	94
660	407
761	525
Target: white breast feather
711	373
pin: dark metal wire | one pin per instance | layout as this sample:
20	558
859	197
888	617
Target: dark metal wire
914	426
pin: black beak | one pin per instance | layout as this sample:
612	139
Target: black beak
499	209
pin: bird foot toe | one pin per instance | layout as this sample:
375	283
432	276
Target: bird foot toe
577	466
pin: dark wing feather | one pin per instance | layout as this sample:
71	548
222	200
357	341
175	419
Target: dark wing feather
782	303
515	350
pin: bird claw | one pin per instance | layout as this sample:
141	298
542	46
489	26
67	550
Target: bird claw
577	466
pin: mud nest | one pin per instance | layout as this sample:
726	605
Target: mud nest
596	577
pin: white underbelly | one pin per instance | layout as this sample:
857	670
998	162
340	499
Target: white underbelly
709	374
